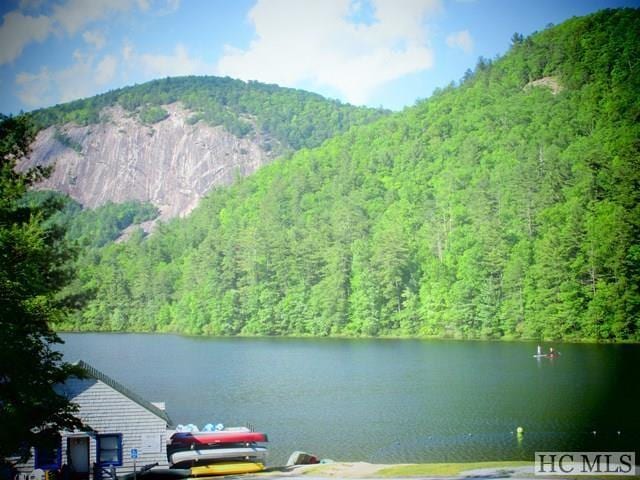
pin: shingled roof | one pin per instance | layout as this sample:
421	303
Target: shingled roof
98	375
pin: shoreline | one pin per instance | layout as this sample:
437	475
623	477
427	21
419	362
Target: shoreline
348	337
463	471
387	470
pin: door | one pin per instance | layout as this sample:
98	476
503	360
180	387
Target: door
78	453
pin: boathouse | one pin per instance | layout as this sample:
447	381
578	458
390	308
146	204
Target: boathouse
123	425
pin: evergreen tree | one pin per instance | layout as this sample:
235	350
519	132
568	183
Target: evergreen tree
506	206
33	267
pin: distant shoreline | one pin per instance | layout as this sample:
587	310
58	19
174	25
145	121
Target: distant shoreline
362	337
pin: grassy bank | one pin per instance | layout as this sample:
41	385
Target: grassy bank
369	470
495	469
446	469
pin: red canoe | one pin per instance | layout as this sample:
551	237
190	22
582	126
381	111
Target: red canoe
212	438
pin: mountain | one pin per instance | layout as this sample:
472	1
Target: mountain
169	141
506	206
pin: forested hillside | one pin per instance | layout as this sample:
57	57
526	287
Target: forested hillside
504	206
295	118
169	142
87	229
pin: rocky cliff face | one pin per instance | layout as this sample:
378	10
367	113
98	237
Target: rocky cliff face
171	164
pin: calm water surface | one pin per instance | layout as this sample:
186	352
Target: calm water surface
385	401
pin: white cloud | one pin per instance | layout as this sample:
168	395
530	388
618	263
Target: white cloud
79	56
75	14
316	42
18	30
178	63
31	4
127	52
89	73
461	40
83	78
74	82
106	70
169	7
35	89
95	38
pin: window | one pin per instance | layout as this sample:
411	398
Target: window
109	449
49	457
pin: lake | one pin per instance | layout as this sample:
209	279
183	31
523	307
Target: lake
385	401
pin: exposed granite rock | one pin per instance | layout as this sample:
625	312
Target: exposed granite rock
552	83
171	164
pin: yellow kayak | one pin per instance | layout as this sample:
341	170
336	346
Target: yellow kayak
226	468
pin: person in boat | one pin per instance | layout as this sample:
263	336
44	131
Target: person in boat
552	353
539	350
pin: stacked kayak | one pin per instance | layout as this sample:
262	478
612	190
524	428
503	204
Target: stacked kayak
224	452
227	468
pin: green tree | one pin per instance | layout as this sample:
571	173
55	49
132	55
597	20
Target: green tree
33	267
494	208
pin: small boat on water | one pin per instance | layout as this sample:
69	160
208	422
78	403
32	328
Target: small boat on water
252	453
227	468
552	353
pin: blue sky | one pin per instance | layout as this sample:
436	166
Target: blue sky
368	52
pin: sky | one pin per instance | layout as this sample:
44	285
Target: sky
380	53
